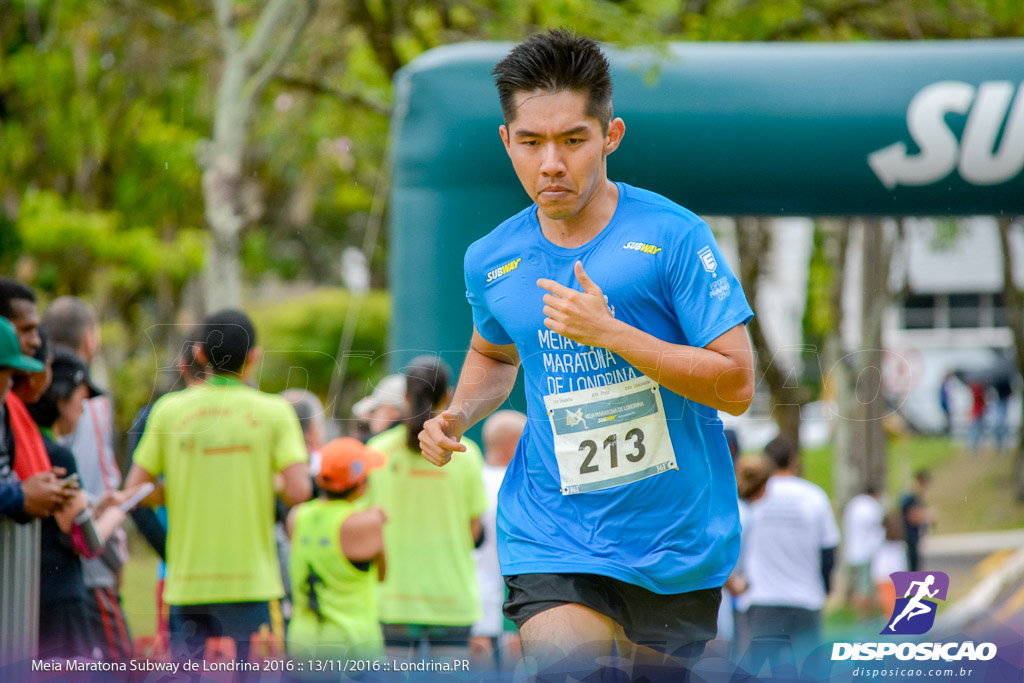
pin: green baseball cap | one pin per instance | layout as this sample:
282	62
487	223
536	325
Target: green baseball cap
10	350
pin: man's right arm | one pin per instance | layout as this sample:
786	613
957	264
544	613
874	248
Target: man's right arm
488	375
138	475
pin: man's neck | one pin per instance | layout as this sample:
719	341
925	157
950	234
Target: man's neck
226	378
575	231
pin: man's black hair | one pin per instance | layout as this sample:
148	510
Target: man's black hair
226	337
781	451
555	61
10	291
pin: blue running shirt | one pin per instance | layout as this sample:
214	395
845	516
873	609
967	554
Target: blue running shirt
599	484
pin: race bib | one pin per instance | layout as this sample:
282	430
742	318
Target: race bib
609	436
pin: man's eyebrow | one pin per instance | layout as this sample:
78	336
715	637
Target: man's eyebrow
530	134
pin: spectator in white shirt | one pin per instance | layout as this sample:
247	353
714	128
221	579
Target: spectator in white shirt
789	564
863	534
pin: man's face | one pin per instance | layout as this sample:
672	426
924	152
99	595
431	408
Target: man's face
26	325
558	150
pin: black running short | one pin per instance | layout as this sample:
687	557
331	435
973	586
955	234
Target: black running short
677	624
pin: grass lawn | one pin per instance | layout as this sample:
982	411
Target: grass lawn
971	492
975	492
906	456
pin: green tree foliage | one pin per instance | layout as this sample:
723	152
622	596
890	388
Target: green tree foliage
299	338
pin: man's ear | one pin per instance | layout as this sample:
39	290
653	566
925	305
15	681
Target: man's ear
251	360
200	354
616	131
503	132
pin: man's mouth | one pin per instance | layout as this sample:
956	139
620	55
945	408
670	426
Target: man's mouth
554	192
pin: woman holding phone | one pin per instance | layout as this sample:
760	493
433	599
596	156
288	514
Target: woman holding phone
76	529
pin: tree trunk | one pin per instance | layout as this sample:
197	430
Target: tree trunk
754	241
861	452
1014	305
837	367
224	216
249	65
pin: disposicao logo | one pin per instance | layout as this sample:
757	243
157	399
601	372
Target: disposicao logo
914	613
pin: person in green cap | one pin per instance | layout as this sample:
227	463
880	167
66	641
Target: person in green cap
41	494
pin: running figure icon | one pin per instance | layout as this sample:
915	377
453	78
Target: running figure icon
916	606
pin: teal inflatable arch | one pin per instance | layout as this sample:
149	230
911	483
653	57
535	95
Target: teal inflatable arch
924	128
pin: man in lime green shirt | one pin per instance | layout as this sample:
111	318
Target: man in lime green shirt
223	450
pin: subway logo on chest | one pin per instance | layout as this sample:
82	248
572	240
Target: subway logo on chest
642	247
503	270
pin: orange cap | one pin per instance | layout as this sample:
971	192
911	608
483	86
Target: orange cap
346	462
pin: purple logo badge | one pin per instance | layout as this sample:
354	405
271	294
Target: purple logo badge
917	594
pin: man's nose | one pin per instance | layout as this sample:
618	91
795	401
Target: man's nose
551	160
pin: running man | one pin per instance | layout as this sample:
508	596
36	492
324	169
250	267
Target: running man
618	516
916	606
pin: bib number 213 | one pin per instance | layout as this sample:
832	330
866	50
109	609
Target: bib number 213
609	436
635	451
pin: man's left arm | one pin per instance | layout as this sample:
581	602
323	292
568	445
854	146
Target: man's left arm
719	375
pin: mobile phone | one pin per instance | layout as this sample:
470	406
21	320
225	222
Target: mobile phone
137	497
70	481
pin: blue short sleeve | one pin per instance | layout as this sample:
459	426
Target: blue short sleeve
707	296
484	322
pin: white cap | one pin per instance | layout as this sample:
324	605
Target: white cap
390	391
